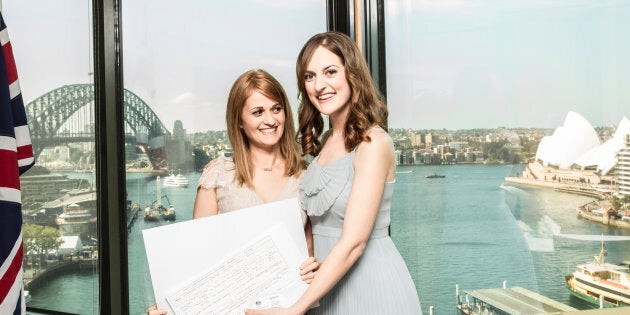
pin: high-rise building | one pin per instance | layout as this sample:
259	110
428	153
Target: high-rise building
179	149
622	169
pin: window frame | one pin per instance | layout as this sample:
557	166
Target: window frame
109	122
110	158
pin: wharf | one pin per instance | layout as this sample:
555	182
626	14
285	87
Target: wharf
588	212
518	300
514	300
580	189
587	183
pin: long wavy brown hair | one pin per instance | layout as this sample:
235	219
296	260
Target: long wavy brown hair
367	108
246	84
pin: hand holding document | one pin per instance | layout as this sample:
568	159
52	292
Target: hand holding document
226	263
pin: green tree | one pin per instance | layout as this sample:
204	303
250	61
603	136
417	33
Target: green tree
201	158
617	202
39	239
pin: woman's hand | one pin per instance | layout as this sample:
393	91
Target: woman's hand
308	269
154	310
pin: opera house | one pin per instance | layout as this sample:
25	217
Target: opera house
575	155
576	145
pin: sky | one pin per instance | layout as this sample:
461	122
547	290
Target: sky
458	64
451	64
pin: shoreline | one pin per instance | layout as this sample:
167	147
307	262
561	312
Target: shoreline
580	189
585	212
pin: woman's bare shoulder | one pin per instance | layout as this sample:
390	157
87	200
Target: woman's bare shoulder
379	138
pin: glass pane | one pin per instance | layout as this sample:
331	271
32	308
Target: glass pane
180	62
52	47
520	106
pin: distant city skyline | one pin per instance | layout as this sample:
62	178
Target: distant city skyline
451	64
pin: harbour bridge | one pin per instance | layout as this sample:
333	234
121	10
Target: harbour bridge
66	115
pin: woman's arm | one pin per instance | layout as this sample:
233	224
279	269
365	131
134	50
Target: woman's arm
374	165
311	264
205	203
308	233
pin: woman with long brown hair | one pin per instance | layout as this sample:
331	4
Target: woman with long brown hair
347	188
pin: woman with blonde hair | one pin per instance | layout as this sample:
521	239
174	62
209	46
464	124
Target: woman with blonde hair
266	164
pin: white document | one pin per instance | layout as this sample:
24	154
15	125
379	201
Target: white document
178	253
258	275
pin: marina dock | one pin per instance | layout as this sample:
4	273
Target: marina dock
518	300
514	300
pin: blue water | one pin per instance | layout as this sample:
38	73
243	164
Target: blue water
469	228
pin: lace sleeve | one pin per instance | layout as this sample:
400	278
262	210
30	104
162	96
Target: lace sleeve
212	176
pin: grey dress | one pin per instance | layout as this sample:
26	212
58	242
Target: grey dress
379	282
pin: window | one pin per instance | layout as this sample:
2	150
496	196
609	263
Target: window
473	87
180	63
52	47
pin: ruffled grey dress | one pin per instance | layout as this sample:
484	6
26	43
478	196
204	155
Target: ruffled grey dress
379	282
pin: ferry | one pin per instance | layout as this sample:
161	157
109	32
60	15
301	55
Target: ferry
175	181
601	284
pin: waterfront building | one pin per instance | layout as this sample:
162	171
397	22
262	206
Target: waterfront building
41	188
576	145
575	137
77	221
469	156
428	140
449	158
426	157
623	168
417	157
416	139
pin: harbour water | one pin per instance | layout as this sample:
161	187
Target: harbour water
468	228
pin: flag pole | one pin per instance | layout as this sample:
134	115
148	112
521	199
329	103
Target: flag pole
357	25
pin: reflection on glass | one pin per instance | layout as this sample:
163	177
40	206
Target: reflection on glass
520	106
52	46
180	62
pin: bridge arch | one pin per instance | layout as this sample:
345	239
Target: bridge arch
49	113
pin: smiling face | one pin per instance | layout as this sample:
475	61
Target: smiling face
262	120
326	84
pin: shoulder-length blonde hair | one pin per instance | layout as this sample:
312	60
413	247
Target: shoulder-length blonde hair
246	84
366	109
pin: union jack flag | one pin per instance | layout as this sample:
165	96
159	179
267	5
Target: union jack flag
16	157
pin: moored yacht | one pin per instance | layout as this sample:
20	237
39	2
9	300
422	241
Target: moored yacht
175	181
601	283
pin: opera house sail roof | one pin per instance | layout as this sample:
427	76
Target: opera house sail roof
577	143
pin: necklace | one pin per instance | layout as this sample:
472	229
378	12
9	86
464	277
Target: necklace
270	168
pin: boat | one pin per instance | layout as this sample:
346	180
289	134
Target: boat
435	176
600	283
156	211
178	180
404	172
